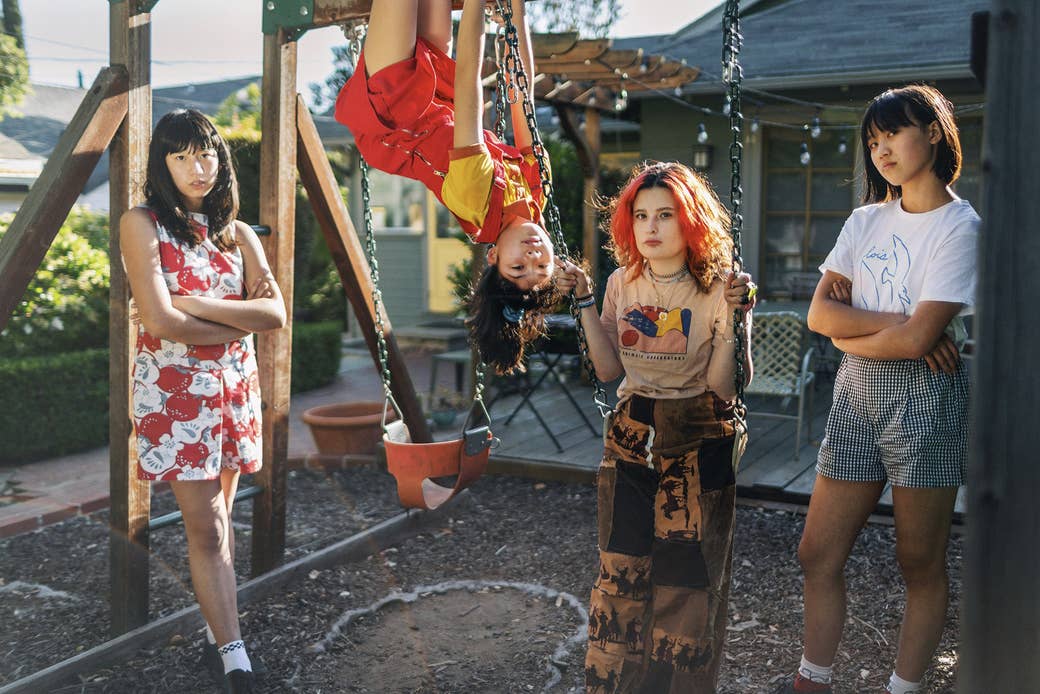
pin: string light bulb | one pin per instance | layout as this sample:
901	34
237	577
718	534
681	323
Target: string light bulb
621	102
805	157
754	125
727	106
677	91
843	146
702	134
815	130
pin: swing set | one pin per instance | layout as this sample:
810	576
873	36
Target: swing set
116	114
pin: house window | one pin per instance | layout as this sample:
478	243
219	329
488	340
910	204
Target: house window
804	206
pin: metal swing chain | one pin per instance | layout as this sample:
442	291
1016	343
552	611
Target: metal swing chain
356	40
732	74
552	213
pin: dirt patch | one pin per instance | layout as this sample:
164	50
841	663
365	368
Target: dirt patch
511	530
455	637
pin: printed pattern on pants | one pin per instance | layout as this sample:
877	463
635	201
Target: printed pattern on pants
666	502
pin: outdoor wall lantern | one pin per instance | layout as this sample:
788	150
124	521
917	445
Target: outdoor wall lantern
702	157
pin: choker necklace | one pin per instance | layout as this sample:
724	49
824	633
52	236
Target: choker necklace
676	276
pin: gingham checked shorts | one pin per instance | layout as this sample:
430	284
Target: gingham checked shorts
896	420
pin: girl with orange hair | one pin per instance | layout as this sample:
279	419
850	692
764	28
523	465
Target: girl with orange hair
666	483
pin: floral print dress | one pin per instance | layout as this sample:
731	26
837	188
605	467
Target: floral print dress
196	408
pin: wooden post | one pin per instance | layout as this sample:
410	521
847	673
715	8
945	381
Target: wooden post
587	147
45	208
999	629
277	211
130	45
349	256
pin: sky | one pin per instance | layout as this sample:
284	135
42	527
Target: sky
209	40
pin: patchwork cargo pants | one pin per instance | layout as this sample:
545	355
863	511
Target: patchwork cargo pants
657	619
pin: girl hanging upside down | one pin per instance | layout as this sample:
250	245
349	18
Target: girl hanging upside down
417	113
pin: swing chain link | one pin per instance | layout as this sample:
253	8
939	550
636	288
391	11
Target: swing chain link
356	40
551	212
732	74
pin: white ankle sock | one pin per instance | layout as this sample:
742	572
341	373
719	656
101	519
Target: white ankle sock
897	685
815	673
210	638
234	656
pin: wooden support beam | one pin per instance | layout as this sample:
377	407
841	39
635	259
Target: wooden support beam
349	256
130	45
274	353
328	12
1000	638
45	208
551	45
587	147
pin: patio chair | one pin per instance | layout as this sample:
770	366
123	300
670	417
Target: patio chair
782	362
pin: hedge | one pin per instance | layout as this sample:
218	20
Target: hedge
54	404
58	404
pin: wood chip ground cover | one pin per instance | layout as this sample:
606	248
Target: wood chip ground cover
488	636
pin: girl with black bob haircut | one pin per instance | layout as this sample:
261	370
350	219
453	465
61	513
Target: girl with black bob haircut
892	294
202	286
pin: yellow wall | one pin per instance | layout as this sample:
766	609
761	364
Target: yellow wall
441	254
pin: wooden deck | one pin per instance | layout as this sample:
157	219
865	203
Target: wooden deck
769	469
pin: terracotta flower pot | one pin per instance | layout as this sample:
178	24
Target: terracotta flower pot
347	427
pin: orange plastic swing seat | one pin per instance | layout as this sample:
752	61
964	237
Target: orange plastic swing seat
416	465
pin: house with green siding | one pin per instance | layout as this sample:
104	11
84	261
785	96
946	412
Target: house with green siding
810	67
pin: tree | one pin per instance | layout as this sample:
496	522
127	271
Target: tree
14	67
590	18
240	109
13	22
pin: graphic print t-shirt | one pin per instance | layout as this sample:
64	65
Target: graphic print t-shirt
897	259
665	350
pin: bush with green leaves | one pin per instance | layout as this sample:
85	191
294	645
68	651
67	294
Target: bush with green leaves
65	307
55	404
14	74
58	404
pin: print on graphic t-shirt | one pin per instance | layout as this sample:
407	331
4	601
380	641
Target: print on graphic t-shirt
888	267
651	330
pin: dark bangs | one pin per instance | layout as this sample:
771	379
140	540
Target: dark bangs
887	113
916	105
190	130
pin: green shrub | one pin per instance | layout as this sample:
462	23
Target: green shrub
58	404
54	404
65	307
316	352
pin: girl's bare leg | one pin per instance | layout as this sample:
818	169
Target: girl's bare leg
434	23
837	512
923	519
208	529
229	487
392	27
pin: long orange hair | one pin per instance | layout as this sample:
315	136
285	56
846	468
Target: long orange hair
702	217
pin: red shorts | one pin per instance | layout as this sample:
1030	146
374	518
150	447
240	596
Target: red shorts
403	121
